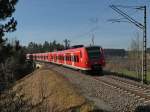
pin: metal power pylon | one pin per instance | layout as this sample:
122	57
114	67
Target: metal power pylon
140	26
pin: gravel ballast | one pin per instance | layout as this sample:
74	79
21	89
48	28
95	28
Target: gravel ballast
102	94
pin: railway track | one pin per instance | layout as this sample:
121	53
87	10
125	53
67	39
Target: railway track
122	94
141	93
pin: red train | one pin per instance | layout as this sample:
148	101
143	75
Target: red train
83	58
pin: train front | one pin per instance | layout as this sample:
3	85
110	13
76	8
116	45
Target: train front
95	56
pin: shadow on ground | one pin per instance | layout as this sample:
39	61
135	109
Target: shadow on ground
145	108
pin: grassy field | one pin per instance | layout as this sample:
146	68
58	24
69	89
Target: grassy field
126	67
133	74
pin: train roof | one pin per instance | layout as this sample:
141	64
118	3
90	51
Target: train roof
77	47
92	46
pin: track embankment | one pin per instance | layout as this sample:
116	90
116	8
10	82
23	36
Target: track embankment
49	91
121	95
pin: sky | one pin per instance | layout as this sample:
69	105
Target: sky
78	21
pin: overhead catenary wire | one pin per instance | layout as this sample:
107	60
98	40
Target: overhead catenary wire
144	29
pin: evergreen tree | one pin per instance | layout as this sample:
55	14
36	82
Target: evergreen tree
12	56
45	47
7	7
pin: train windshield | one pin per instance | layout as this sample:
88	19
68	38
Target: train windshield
94	52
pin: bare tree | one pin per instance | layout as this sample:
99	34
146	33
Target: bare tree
67	43
134	56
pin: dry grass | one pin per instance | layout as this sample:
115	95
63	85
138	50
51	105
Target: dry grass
50	92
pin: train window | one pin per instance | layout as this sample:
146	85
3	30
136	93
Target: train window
77	58
74	57
94	52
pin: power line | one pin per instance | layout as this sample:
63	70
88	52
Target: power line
139	25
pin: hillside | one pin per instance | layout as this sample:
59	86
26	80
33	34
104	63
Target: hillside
48	91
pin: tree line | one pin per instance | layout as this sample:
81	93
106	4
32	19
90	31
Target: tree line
51	46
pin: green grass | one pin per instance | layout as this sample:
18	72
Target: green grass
132	74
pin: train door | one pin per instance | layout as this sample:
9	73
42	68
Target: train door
55	57
68	59
64	58
72	59
76	59
49	57
61	58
